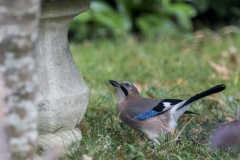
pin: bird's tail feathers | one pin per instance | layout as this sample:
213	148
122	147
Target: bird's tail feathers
190	112
208	92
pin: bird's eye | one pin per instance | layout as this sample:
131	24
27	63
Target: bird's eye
127	85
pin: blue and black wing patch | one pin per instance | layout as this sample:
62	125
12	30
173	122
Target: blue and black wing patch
161	108
166	104
146	115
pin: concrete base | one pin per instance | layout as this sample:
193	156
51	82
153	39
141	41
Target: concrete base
60	138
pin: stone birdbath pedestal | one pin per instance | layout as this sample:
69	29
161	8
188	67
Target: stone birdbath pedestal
62	95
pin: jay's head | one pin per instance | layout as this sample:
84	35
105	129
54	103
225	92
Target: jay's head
124	89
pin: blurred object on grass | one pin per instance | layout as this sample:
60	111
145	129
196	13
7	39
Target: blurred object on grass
227	136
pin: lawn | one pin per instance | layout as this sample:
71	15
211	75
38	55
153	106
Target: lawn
170	67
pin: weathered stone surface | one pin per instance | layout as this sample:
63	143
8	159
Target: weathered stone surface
18	35
62	95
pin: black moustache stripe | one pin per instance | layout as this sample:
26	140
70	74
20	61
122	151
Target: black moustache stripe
124	91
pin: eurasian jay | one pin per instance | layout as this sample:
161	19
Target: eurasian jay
153	117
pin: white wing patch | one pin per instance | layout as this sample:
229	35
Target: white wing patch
167	104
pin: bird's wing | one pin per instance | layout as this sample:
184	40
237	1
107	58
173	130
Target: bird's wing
162	107
166	104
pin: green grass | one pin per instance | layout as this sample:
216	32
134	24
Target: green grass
157	67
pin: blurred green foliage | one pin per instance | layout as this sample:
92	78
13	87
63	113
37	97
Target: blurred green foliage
151	18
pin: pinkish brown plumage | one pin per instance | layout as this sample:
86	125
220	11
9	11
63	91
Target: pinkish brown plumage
153	117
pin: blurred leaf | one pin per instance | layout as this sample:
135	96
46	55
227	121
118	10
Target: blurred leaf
222	70
100	6
140	154
78	29
132	148
125	8
201	5
182	11
188	10
83	17
152	25
108	17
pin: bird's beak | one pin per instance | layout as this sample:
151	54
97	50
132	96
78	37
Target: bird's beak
114	83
